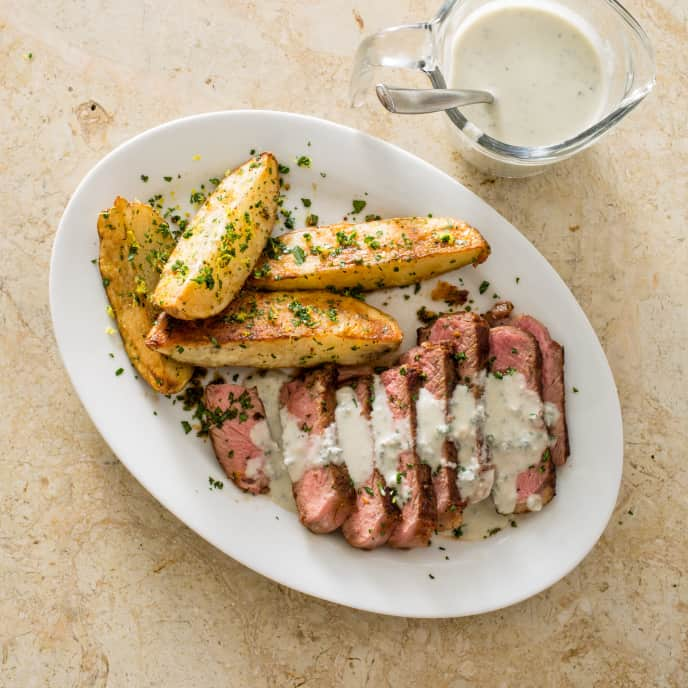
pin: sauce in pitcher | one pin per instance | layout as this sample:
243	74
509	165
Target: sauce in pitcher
545	72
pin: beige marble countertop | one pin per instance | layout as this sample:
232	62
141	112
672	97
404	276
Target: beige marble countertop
99	585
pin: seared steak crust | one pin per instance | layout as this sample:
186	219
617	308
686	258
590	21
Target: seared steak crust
419	512
324	495
374	515
513	348
436	368
553	390
235	411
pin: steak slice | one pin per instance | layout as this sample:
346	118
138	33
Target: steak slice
395	394
438	376
553	390
374	515
240	435
321	484
467	334
499	311
512	351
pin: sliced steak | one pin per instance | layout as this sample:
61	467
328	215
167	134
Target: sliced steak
468	336
553	389
374	515
321	485
499	311
512	351
351	373
437	372
399	386
240	435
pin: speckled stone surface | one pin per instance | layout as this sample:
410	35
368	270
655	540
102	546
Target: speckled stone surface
100	586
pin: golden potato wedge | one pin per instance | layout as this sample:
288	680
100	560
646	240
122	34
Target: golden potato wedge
371	255
135	243
217	251
280	330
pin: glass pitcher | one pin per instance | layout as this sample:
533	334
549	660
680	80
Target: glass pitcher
626	55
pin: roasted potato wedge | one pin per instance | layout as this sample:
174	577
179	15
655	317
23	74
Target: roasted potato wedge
371	255
280	330
217	251
134	245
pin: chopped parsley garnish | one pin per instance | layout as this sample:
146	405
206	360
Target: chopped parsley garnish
283	169
306	202
372	218
215	484
372	242
106	281
346	240
332	314
354	292
119	371
311	220
299	255
180	268
303	161
144	178
457	532
205	277
197	197
214	180
575	390
167	179
358	205
262	271
302	314
369	490
484	286
187	426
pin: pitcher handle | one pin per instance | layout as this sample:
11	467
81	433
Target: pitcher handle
410	46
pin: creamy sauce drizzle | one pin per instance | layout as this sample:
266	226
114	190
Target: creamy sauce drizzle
538	61
513	419
268	386
431	429
516	433
355	436
481	519
467	415
261	438
391	437
303	450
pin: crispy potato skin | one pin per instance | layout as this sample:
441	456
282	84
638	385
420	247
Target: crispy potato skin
280	330
218	250
371	255
134	244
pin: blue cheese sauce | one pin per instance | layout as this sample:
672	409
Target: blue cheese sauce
268	386
391	437
540	62
303	450
355	436
516	433
431	429
467	416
